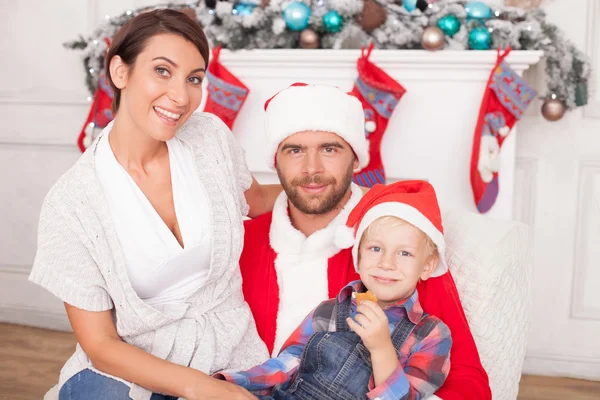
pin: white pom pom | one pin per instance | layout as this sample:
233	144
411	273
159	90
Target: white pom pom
87	141
344	237
370	126
504	131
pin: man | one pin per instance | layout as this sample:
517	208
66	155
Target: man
292	259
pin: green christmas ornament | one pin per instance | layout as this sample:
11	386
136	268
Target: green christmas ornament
480	38
449	24
581	94
333	21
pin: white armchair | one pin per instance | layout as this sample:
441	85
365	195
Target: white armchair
491	261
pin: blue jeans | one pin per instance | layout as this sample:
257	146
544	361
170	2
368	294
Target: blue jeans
336	365
89	385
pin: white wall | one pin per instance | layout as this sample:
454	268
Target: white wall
558	187
42	102
430	134
42	108
557	181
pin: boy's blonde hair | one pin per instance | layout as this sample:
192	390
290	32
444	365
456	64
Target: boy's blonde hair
389	221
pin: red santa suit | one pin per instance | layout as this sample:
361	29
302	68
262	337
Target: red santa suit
286	275
294	272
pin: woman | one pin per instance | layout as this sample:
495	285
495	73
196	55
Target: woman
141	238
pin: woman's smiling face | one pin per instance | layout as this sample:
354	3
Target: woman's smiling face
163	87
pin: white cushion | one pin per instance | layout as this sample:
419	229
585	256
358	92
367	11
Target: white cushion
491	261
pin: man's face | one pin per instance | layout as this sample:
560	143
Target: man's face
315	169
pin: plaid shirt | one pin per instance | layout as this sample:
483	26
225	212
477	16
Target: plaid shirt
424	358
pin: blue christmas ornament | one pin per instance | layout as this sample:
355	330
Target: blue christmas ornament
449	24
243	9
333	21
478	10
422	5
410	5
480	38
296	16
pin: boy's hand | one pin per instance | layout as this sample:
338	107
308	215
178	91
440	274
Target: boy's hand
372	327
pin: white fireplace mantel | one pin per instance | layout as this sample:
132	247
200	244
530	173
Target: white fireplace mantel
431	131
448	60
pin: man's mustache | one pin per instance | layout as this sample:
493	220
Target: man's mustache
315	180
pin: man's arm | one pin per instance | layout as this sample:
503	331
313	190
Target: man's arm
467	379
261	198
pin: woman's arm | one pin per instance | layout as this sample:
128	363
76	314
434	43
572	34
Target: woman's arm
281	370
97	336
261	198
277	370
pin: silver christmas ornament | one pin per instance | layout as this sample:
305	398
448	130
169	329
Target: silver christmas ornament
433	38
309	39
553	109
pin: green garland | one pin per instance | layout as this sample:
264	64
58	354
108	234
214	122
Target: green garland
567	68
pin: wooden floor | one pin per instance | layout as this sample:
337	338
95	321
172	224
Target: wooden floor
30	360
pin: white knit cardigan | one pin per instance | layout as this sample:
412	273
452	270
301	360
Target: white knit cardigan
79	260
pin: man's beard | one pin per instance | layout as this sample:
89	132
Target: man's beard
325	205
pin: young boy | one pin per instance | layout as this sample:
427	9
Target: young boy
388	349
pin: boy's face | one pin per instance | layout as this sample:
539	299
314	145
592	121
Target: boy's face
392	259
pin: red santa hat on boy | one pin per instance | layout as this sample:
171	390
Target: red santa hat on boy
412	201
302	107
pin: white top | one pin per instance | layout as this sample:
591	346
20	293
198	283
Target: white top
79	259
159	269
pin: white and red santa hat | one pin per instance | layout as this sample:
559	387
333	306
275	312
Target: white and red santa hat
412	201
302	107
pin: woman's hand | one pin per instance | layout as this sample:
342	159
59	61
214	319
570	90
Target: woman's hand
220	390
372	325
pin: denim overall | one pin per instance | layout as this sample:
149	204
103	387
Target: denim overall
337	365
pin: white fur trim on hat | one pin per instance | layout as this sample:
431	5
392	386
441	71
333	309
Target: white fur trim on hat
315	108
412	216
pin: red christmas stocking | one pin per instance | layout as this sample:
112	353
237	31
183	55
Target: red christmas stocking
226	93
505	100
379	94
100	113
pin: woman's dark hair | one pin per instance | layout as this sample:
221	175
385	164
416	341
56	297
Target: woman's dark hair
131	39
